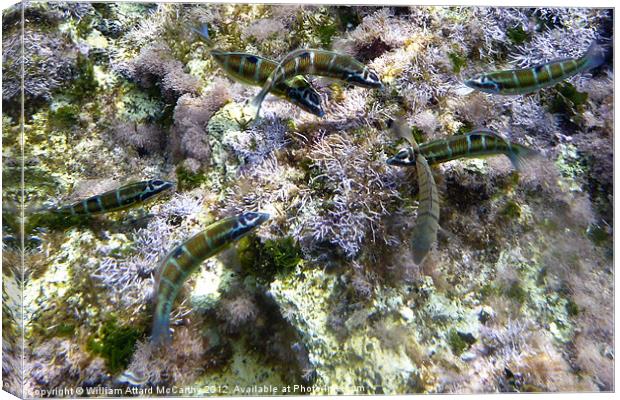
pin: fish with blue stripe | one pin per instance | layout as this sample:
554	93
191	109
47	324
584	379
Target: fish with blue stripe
321	63
118	199
528	80
179	264
254	70
424	233
478	143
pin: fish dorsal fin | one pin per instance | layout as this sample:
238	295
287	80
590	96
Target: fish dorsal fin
486	131
203	33
483	130
552	61
401	130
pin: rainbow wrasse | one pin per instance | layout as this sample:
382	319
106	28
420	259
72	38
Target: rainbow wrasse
528	80
424	233
322	63
254	70
478	143
178	265
118	199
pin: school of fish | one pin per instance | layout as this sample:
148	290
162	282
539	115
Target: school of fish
287	79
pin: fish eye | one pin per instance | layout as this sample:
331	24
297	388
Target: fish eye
314	98
250	217
157	182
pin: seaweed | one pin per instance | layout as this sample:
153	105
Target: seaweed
516	293
188	180
458	61
568	101
459	341
518	35
114	343
269	259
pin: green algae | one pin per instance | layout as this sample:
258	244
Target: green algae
466	127
599	235
511	210
418	134
518	35
572	309
516	293
568	101
456	343
268	259
64	116
188	180
458	61
84	85
459	341
139	106
114	343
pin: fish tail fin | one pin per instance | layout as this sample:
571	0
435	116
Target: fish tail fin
160	334
595	56
257	101
131	378
521	156
423	238
203	33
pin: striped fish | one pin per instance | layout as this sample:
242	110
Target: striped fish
528	80
118	199
322	63
427	223
254	70
478	143
131	378
186	258
424	233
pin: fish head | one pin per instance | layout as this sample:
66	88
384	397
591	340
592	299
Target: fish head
251	220
308	99
366	78
483	83
404	158
156	186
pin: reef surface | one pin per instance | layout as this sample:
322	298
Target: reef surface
325	297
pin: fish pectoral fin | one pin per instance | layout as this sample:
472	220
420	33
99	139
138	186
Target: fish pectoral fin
399	127
231	258
446	235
